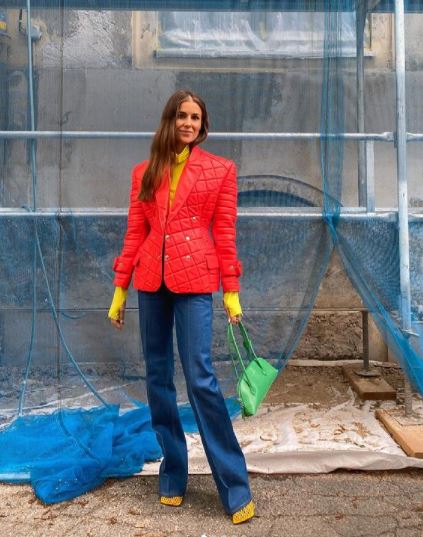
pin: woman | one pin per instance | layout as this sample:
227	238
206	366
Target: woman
180	243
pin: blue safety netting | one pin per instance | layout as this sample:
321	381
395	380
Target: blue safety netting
73	406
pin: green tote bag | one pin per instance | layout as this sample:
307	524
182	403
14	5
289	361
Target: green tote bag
255	378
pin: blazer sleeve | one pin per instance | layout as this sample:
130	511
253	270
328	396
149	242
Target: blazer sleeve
136	232
224	231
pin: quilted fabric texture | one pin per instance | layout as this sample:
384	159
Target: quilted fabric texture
194	242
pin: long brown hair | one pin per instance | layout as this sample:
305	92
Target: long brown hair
163	146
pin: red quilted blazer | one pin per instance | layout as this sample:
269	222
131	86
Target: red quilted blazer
194	242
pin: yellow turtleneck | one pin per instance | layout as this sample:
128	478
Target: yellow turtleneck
176	172
230	298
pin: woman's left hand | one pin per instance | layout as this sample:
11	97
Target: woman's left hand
233	319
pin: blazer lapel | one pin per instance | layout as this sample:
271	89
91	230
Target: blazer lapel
187	181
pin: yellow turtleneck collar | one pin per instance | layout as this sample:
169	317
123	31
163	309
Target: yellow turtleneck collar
176	171
182	156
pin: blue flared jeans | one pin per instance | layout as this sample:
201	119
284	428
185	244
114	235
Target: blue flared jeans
192	315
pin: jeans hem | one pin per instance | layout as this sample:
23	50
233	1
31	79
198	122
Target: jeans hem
171	494
243	504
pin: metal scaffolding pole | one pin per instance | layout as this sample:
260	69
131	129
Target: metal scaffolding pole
250	136
33	156
401	147
360	21
365	189
289	213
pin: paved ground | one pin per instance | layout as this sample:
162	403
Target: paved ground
341	504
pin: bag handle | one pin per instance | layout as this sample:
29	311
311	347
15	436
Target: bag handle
246	341
234	349
249	348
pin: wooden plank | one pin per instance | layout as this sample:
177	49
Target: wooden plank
369	388
407	435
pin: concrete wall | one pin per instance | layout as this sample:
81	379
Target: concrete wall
95	173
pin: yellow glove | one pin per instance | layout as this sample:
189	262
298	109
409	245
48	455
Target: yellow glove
231	302
118	301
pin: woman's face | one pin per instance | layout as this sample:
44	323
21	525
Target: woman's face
187	124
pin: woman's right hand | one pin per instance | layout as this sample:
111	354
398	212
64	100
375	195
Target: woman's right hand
232	306
117	309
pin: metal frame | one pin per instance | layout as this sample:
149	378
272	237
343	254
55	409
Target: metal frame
401	146
186	5
379	6
308	213
252	136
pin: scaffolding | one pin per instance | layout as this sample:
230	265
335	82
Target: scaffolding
366	176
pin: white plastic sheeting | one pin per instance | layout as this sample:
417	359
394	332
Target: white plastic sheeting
311	438
253	34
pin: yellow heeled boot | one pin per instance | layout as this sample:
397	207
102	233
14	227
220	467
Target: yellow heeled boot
171	500
243	514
